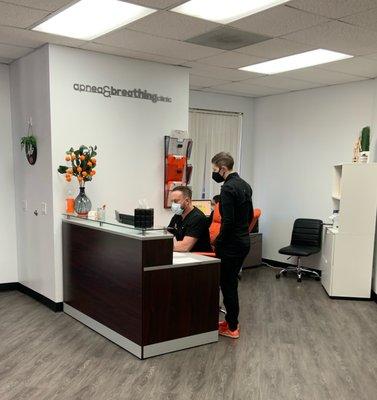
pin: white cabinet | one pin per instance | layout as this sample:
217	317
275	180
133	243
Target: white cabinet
347	252
327	258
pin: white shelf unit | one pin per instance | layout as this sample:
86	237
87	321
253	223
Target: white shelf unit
347	252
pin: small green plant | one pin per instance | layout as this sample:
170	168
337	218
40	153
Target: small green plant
365	138
29	143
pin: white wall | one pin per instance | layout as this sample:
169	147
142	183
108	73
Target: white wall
8	248
298	137
129	133
220	102
290	143
35	239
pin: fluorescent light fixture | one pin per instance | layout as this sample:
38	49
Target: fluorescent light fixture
89	19
296	61
225	11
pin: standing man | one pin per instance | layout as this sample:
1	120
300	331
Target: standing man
233	243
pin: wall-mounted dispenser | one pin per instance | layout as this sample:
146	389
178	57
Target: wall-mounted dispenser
177	170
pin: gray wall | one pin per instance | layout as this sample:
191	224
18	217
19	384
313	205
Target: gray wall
8	247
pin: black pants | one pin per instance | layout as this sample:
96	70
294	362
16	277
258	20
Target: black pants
230	267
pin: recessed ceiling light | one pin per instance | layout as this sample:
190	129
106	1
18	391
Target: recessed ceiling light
89	19
225	11
296	61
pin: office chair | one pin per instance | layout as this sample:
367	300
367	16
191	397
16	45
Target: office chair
214	229
306	240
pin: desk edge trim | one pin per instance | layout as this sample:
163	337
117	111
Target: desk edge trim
103	330
180	344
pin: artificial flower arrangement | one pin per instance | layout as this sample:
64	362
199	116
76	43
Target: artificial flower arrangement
81	164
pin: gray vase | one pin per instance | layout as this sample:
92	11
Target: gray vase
82	203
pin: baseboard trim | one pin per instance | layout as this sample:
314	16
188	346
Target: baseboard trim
8	286
281	264
374	296
56	307
253	266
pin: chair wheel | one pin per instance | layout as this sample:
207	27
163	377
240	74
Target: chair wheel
277	276
317	278
299	280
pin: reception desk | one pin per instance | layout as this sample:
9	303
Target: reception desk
130	287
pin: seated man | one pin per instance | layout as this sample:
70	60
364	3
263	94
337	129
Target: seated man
189	225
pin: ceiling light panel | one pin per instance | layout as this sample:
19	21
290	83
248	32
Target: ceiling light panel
296	61
89	19
225	11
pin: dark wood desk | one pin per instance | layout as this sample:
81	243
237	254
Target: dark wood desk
129	288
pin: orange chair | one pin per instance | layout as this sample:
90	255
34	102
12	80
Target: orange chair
215	227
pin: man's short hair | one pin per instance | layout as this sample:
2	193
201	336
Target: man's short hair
216	198
186	191
223	159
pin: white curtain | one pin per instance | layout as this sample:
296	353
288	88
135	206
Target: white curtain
212	132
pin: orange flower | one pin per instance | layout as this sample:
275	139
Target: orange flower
79	169
89	164
80	178
84	174
67	158
82	157
92	172
93	160
69	171
68	178
73	156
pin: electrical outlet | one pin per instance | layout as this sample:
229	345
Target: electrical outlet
44	208
24	205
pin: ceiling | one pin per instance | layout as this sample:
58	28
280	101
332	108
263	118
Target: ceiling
348	26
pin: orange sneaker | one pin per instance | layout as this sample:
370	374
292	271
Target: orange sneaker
224	331
223	324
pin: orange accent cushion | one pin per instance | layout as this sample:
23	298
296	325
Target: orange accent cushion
214	229
257	214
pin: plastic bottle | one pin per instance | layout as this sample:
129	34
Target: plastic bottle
69	203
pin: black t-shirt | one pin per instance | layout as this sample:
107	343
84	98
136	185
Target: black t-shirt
195	225
236	210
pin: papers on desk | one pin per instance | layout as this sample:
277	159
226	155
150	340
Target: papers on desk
184	260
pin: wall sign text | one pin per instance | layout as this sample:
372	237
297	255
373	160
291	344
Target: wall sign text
110	91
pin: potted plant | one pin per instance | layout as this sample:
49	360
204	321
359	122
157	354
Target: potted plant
81	163
29	143
364	144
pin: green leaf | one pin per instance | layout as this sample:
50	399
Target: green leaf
62	169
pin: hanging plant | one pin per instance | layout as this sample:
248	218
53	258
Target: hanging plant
29	143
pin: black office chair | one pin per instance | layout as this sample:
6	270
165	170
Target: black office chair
306	240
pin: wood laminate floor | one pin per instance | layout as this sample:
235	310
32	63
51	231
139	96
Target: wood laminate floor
295	343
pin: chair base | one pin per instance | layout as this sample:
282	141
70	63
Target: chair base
299	272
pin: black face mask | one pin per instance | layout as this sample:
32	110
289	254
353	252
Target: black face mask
217	177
